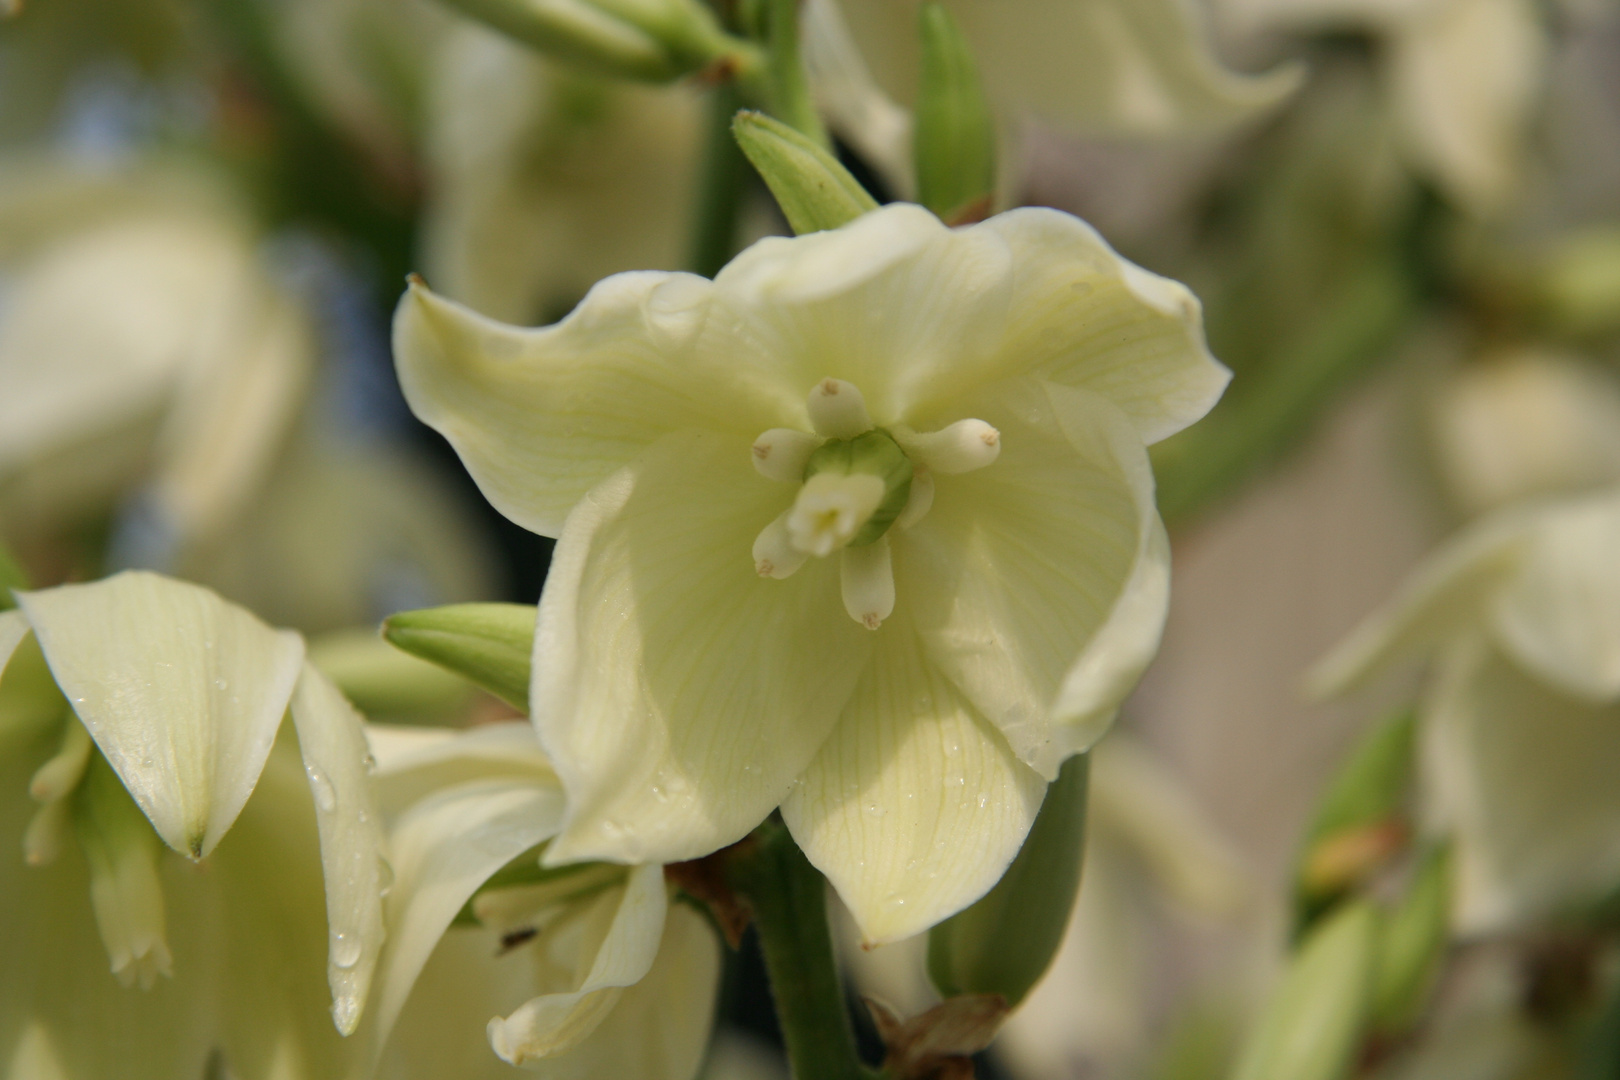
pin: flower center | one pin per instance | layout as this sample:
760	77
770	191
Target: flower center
856	482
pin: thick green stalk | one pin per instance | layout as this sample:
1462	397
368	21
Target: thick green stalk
789	902
722	187
790	100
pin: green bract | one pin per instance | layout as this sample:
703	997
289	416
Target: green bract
713	644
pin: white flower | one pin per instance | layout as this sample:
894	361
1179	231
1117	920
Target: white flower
698	662
589	971
168	729
141	339
1522	721
1103	68
545	180
1464	77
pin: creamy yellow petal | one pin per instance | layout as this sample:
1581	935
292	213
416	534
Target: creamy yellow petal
916	804
443	848
619	943
1523	777
332	740
1446	596
1559	613
540	417
676	691
182	691
13	628
415	761
1107	67
1040	582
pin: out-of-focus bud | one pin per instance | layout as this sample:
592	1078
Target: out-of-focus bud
1004	943
1312	1023
1412	943
1525	424
1579	283
1360	825
811	187
488	644
646	40
954	137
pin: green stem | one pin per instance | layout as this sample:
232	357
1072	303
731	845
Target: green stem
790	100
788	899
722	187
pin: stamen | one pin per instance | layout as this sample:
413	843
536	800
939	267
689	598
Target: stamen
46	833
867	580
831	509
57	778
781	453
837	410
774	553
962	447
919	501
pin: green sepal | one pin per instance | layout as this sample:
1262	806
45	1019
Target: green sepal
1360	823
873	454
1312	1025
1412	944
814	191
954	140
488	644
642	40
1004	943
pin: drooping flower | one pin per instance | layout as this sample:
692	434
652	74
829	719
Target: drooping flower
863	528
138	712
1522	718
1464	77
585	971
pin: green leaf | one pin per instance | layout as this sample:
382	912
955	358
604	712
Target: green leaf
811	187
1412	944
1360	822
955	139
488	644
1312	1024
1004	943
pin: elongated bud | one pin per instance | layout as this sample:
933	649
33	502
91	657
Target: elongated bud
646	40
384	681
1412	944
1004	943
488	644
954	138
811	187
123	852
1360	824
1312	1024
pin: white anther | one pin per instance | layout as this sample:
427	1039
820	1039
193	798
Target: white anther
867	580
837	410
830	510
57	778
774	553
781	453
962	447
919	501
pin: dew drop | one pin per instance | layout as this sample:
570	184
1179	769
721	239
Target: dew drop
345	949
659	793
369	763
220	684
325	796
385	876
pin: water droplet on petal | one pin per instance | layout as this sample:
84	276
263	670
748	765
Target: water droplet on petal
321	787
345	949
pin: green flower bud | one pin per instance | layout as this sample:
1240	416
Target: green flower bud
811	187
955	138
646	40
1004	943
873	454
1360	824
1412	944
488	644
1312	1024
383	681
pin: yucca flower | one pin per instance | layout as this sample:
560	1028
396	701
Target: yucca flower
1521	613
864	529
222	857
585	971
